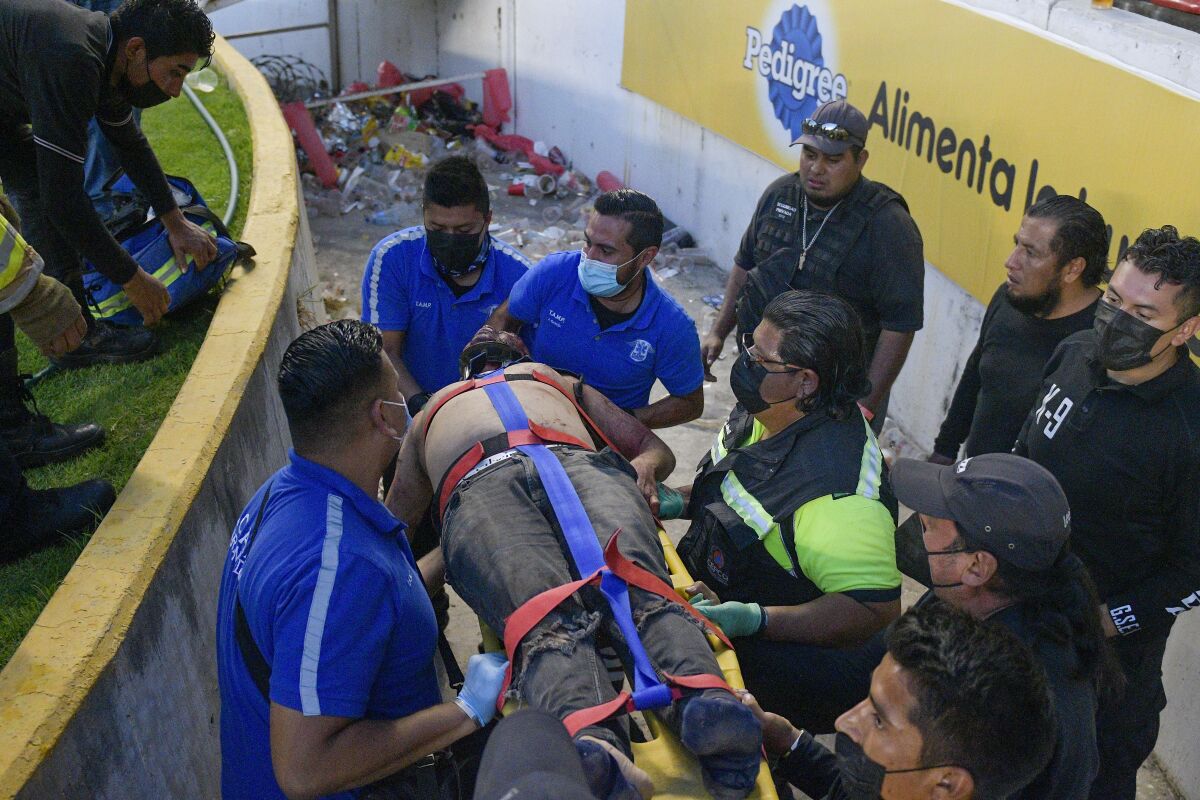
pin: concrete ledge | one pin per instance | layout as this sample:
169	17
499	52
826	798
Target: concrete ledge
113	693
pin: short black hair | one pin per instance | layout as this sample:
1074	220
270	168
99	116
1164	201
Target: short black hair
1175	259
169	27
456	181
822	332
639	210
1081	234
981	699
325	376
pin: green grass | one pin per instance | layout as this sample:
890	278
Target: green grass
129	400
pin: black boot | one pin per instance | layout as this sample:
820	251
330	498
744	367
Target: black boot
39	518
106	343
32	438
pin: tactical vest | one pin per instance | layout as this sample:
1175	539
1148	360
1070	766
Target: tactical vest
779	254
741	492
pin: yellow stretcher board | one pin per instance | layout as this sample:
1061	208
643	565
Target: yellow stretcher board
674	770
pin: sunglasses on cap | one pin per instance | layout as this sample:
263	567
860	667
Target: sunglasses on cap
830	130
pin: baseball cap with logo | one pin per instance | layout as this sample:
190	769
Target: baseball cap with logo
1005	504
834	127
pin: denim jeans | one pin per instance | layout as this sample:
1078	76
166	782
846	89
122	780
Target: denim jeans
503	545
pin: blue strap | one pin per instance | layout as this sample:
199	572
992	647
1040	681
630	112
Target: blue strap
580	535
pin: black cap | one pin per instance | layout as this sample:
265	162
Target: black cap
529	756
1005	504
843	115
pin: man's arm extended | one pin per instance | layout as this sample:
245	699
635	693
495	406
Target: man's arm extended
672	410
890	352
316	756
831	620
714	341
648	454
393	345
411	491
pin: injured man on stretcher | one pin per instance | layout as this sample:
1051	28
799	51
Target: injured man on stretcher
539	481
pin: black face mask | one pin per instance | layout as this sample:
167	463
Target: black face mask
861	778
745	379
147	95
457	254
1125	341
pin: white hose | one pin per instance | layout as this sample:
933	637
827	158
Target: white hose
220	134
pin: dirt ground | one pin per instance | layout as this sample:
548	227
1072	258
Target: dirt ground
344	242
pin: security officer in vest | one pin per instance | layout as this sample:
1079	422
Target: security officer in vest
792	516
826	227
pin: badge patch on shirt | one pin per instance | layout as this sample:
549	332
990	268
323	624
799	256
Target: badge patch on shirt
783	211
716	565
641	349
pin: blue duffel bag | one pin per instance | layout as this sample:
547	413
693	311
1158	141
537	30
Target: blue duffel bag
146	240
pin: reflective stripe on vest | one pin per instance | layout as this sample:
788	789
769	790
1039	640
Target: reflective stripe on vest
13	254
756	517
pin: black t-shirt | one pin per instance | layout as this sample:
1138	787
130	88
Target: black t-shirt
605	317
55	60
1000	381
883	275
1128	459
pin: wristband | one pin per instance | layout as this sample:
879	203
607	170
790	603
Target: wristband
466	709
762	624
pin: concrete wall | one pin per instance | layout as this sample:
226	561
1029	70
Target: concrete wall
113	693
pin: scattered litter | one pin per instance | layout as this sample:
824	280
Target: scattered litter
364	151
713	300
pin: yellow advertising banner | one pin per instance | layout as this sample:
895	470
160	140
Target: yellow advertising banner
972	118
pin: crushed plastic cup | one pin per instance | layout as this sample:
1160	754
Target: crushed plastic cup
552	214
204	80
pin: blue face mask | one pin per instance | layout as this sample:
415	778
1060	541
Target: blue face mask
599	279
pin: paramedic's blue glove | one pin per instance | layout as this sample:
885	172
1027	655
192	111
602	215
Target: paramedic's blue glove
670	502
485	676
736	619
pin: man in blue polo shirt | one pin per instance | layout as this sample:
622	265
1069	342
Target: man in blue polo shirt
601	315
325	634
429	288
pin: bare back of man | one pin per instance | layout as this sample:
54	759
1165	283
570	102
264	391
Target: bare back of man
470	417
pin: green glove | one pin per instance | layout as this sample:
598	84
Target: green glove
736	619
670	502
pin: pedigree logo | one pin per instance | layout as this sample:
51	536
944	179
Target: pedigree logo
793	66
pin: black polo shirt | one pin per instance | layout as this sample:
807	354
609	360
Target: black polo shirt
1128	458
55	62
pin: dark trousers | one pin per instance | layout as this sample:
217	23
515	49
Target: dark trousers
18	171
12	486
1127	730
503	545
812	686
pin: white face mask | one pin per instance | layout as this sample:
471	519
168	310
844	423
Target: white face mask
407	419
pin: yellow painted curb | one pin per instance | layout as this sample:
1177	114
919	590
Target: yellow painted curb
86	620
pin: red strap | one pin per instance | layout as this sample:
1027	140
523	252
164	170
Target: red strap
465	386
634	575
529	614
578	720
460	468
546	379
550	435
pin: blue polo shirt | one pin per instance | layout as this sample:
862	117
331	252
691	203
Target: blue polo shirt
403	291
622	362
335	603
